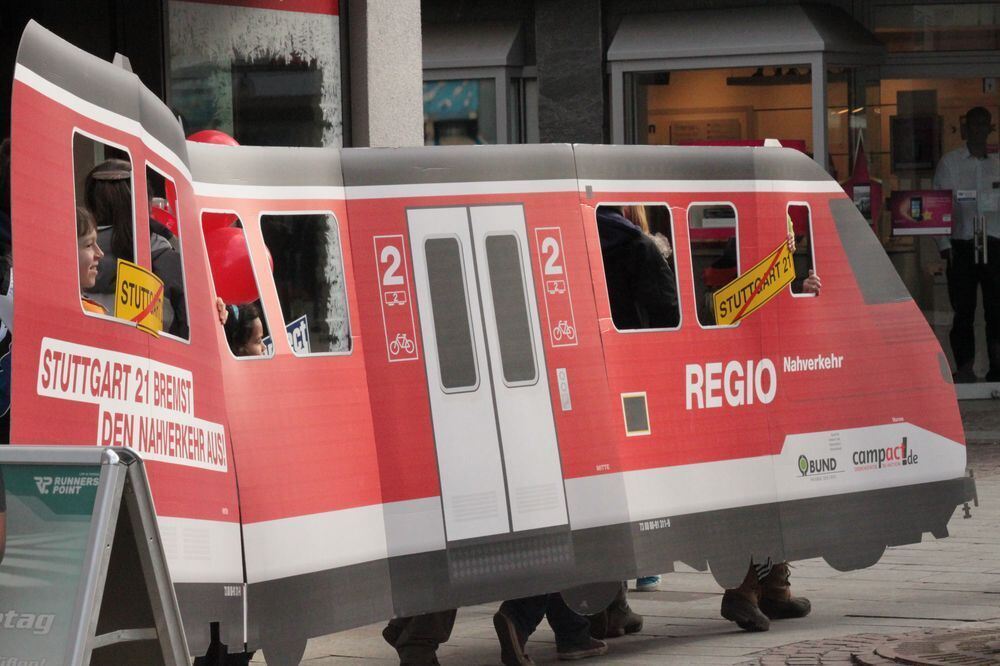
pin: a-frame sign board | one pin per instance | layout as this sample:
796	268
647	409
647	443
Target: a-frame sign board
83	578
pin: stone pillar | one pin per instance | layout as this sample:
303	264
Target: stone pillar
569	48
386	73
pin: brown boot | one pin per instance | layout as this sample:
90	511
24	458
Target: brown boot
776	598
739	605
617	620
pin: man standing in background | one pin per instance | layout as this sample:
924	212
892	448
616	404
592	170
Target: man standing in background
973	177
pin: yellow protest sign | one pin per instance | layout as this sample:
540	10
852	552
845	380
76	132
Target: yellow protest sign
754	288
139	297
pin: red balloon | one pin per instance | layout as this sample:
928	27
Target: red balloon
164	217
231	268
213	136
213	221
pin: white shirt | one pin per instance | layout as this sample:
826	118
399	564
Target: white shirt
975	187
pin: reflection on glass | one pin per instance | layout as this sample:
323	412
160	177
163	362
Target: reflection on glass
685	107
460	112
267	78
971	26
309	277
510	303
452	327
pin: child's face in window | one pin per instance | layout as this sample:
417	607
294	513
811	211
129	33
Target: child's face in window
89	256
255	345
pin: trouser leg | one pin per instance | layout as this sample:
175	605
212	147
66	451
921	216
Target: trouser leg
569	627
526	613
417	638
991	307
963	281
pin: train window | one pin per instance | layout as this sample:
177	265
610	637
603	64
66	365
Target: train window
715	256
105	219
510	303
235	283
450	304
165	251
800	218
637	249
309	278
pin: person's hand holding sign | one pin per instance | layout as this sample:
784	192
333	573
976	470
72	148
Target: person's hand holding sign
812	284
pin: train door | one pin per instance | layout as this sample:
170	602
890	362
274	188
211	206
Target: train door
498	458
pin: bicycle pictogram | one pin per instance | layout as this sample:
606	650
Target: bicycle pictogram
563	330
401	343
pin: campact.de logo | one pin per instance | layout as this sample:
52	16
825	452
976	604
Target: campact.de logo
815	467
889	456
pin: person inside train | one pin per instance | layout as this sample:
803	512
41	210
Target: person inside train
244	330
722	271
642	289
108	194
89	255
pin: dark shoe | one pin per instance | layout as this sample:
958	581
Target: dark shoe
421	656
741	610
776	600
391	634
599	625
619	619
511	643
623	620
592	648
739	605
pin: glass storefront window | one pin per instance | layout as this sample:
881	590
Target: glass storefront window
729	104
910	125
973	26
842	115
460	112
264	75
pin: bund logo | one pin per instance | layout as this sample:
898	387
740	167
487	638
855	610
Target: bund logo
44	484
817	467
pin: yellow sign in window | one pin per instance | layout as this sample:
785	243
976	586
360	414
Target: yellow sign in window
755	287
139	297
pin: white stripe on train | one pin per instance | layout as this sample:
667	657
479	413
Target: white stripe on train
318	542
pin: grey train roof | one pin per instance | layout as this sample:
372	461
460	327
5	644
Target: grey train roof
100	83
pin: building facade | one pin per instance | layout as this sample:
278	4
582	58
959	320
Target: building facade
874	90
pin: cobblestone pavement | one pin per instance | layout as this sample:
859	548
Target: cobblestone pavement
930	586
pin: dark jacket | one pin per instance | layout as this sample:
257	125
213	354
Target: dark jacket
641	285
166	265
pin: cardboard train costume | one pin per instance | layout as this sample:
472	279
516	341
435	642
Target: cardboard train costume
471	426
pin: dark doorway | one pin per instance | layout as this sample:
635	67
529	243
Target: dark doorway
134	28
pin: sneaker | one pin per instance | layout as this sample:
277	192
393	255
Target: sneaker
511	645
647	584
592	648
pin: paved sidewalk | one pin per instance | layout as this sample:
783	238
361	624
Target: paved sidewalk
934	585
